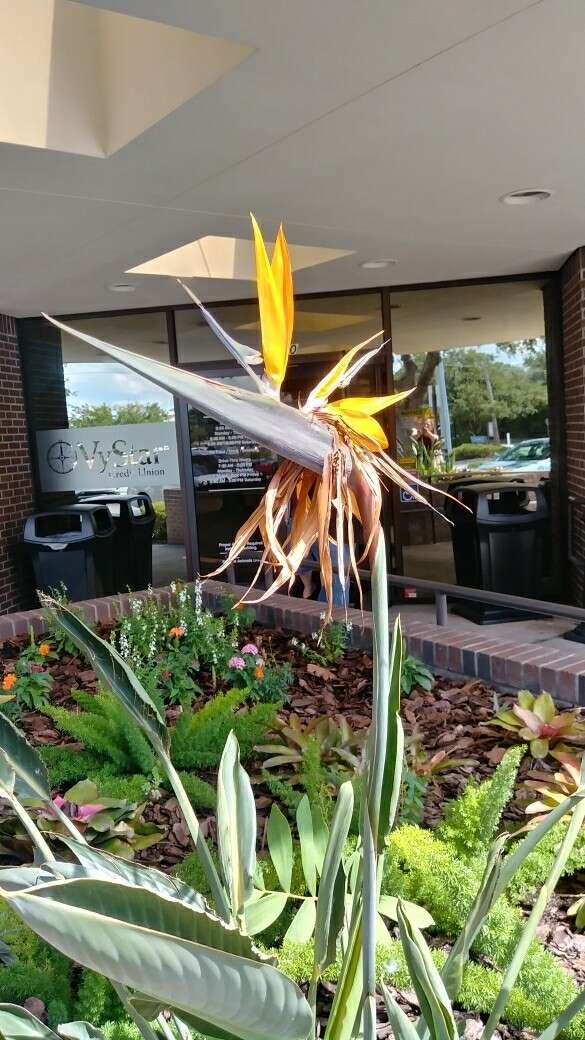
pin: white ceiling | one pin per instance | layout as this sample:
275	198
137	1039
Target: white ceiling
382	128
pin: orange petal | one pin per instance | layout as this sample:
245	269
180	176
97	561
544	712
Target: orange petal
275	303
368	430
331	381
282	271
369	405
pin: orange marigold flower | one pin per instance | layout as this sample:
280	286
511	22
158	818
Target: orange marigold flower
8	681
177	631
44	649
259	672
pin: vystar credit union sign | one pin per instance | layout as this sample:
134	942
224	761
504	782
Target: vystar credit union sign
140	455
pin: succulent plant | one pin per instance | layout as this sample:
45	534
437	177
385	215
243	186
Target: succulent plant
536	720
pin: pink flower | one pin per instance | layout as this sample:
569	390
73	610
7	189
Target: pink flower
81	813
249	648
236	662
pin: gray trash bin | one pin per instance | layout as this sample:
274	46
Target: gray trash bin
72	545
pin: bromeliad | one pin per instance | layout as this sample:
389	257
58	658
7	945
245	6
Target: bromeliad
334	451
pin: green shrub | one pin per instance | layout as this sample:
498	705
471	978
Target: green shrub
199	792
471	821
39	970
476	451
66	766
159	533
106	730
96	1000
198	738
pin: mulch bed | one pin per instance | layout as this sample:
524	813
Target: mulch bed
449	721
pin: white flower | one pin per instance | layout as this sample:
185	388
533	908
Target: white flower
294	641
314	635
322	615
348	626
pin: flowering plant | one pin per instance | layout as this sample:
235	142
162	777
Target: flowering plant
248	669
27	679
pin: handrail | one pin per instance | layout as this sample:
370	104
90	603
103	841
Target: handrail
442	589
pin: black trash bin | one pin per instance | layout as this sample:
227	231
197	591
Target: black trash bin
133	518
72	545
500	545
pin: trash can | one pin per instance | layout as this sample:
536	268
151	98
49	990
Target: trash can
133	518
72	545
500	544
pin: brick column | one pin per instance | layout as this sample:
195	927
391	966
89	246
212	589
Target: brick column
16	486
573	328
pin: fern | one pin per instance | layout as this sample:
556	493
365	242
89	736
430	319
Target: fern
198	738
105	729
471	821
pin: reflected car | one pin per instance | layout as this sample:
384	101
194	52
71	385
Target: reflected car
531	456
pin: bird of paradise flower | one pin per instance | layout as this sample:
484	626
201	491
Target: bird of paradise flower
334	451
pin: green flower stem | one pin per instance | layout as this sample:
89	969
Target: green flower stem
372	801
201	848
534	919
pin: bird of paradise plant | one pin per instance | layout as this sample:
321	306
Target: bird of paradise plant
164	948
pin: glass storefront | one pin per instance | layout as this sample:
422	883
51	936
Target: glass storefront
474	357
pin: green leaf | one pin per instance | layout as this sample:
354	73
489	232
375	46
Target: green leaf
263	912
307	840
544	707
7	777
388	906
269	422
432	996
115	673
79	1031
99	864
236	826
25	760
173	953
83	793
330	904
402	1027
344	1015
302	925
320	837
18	1024
539	748
280	845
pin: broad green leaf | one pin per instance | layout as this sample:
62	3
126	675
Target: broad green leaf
432	996
269	422
236	826
330	904
25	760
388	906
544	707
307	840
112	669
402	1027
7	777
320	837
263	912
180	956
79	1031
18	1024
302	925
82	793
98	864
280	845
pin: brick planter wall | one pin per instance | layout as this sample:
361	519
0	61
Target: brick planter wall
175	525
16	488
504	664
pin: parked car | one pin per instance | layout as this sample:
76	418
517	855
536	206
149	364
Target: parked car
526	457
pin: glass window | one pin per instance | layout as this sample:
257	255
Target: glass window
475	360
100	429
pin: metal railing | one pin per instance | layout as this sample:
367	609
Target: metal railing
441	590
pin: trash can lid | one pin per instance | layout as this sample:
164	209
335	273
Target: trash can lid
505	503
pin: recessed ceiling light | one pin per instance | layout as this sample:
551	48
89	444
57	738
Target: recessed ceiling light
122	287
372	265
472	317
525	196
